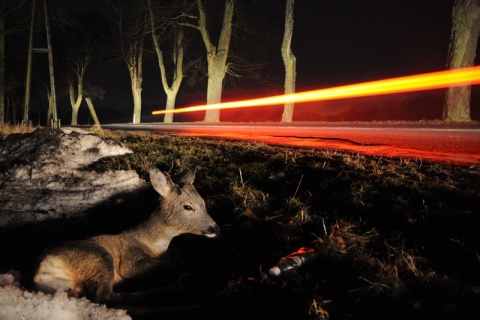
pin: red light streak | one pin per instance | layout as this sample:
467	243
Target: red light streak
420	82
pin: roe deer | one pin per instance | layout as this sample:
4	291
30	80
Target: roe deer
92	267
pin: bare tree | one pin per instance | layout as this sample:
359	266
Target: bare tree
84	36
78	67
171	90
132	44
216	54
289	60
134	60
463	45
7	7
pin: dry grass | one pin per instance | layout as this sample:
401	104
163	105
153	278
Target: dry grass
8	129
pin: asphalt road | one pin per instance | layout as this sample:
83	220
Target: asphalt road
447	143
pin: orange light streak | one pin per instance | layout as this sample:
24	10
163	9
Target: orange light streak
420	82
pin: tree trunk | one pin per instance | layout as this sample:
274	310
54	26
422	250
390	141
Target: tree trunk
75	108
136	77
216	74
178	54
289	60
216	56
92	112
137	102
462	50
171	97
75	103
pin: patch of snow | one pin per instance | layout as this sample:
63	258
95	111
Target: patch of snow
45	178
18	304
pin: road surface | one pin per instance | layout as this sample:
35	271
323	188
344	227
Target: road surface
448	143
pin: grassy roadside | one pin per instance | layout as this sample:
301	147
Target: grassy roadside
398	238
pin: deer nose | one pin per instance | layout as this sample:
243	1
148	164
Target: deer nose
212	231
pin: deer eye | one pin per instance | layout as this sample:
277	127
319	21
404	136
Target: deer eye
187	207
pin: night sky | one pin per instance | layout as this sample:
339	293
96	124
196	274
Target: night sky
336	42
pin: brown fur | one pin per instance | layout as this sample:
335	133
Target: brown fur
95	266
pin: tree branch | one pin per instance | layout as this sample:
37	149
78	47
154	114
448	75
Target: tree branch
226	33
202	27
186	24
14	8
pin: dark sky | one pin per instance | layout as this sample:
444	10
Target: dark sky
336	42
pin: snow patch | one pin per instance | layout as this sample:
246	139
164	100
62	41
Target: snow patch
44	175
18	304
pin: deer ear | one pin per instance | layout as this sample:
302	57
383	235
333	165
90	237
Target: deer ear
188	177
161	182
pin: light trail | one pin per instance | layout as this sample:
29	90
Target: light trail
420	82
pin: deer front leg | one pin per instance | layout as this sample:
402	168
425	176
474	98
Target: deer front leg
139	271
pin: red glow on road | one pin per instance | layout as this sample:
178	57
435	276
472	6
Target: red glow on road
420	82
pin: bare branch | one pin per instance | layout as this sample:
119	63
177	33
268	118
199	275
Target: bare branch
186	24
14	8
184	15
202	26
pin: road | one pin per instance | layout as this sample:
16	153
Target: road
447	143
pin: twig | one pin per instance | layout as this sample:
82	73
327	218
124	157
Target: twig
298	186
241	176
374	283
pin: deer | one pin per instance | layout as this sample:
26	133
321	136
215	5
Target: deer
95	266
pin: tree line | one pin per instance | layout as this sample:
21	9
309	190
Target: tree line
166	28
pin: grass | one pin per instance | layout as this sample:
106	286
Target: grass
396	238
7	129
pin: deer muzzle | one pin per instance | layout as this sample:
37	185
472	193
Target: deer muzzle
211	231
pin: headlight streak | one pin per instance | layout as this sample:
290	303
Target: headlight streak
419	82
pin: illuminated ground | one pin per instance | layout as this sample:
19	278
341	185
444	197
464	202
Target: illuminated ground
448	143
396	238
